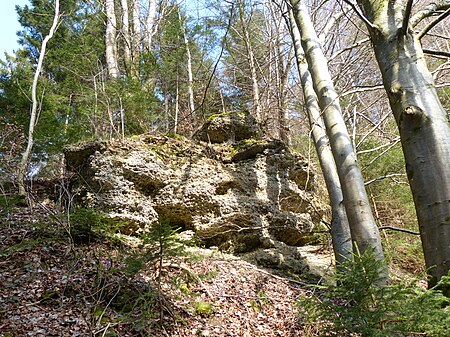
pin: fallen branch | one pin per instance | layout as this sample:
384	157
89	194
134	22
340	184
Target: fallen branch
399	230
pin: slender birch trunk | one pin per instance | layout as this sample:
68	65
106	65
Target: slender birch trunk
363	227
423	125
23	165
110	40
340	229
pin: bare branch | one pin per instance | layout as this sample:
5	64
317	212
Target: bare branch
375	127
399	230
434	23
384	177
436	52
354	45
406	17
382	153
429	10
362	89
330	23
361	15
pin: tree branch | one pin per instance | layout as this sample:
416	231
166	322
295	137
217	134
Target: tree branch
330	23
218	59
399	230
436	52
360	15
384	177
429	10
405	23
434	23
362	89
356	44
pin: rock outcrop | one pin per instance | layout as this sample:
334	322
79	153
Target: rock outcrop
239	196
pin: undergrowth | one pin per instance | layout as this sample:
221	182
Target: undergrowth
356	305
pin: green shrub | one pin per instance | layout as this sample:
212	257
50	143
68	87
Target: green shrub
355	305
8	203
83	223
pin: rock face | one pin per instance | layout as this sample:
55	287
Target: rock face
240	197
229	127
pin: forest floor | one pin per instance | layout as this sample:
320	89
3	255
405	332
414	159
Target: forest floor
52	287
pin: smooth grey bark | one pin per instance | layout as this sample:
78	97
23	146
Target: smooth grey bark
137	33
340	229
150	29
189	69
126	31
23	165
251	63
110	40
363	227
423	125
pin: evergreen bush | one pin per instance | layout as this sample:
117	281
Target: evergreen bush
356	305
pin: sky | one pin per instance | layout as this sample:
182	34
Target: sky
9	25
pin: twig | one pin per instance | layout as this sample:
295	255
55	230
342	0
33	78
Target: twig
106	329
218	59
429	10
384	177
399	230
434	23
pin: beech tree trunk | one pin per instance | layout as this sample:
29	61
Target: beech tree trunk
363	227
251	63
150	30
189	70
126	31
23	165
340	229
136	46
110	40
423	124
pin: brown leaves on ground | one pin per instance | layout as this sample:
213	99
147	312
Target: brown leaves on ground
50	288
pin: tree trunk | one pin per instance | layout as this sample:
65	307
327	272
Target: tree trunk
251	64
284	70
423	124
150	30
340	230
136	46
189	70
177	106
110	40
126	31
363	227
23	165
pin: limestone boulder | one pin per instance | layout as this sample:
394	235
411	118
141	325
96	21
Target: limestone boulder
229	127
240	197
238	205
